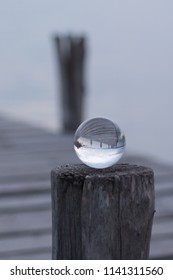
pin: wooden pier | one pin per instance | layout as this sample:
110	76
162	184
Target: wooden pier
27	155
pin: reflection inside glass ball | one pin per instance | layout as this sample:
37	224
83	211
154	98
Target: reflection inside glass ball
99	142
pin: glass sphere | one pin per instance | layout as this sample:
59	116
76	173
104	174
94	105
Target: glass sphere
99	142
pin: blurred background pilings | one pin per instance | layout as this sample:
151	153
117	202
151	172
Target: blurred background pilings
70	53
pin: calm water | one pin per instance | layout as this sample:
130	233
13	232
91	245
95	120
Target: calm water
128	72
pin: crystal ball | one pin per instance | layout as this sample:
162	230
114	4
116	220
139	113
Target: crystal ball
99	142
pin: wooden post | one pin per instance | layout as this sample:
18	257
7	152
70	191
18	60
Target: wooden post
70	52
102	213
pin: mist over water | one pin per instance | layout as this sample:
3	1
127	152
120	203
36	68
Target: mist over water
128	72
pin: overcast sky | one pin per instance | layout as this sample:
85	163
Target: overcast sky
129	64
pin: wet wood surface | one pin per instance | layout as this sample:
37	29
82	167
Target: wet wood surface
27	156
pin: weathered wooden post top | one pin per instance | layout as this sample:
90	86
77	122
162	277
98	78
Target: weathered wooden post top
102	213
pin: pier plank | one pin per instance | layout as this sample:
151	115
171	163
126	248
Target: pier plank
25	221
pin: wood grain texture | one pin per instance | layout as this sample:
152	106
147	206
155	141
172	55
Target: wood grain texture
102	214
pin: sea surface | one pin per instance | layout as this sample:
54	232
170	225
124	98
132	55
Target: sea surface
129	66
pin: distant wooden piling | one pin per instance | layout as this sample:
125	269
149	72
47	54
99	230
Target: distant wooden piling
102	213
70	52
